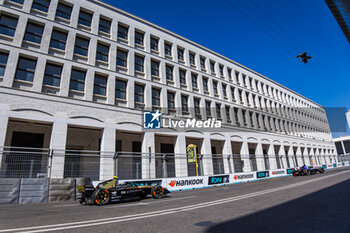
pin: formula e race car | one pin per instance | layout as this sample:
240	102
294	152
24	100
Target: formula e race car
111	191
306	172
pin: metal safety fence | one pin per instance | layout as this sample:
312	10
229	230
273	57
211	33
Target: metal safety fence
18	162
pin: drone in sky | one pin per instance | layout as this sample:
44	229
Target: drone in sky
304	57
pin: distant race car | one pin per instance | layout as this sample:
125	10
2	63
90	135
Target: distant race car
309	171
111	191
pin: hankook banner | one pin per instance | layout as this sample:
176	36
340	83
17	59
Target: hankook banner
242	177
187	182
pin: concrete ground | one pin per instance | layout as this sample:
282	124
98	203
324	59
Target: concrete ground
318	203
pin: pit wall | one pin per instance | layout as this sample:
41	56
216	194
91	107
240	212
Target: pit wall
30	190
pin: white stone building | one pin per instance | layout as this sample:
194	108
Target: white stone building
77	75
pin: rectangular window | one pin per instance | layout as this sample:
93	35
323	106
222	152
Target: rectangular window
85	18
218	111
227	111
194	78
235	113
120	89
237	77
192	59
102	52
215	87
184	103
196	107
229	71
154	44
34	33
41	5
155	68
64	11
202	61
155	97
244	117
123	32
104	25
58	40
139	63
212	67
182	74
207	109
25	69
167	48
52	75
81	46
3	62
122	58
205	85
180	54
139	38
77	80
233	94
8	25
139	89
224	92
171	100
221	69
100	85
169	72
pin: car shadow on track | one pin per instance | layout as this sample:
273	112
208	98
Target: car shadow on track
327	210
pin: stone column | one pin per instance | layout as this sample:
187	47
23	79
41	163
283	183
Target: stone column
227	156
298	155
259	155
245	156
107	151
306	157
290	157
180	156
284	159
272	157
4	119
58	145
207	159
148	156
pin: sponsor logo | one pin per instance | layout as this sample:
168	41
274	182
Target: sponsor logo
289	171
243	176
334	165
218	179
185	182
192	123
262	174
152	120
278	172
324	166
172	183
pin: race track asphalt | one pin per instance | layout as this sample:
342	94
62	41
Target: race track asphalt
317	203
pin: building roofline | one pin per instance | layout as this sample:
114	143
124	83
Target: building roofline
197	45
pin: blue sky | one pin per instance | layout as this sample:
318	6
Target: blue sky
267	44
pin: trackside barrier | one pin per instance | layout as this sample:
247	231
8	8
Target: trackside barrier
9	191
62	189
34	190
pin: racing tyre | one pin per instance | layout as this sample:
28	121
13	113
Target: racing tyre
321	170
101	196
157	192
307	173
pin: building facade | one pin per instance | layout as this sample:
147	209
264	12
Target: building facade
78	75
